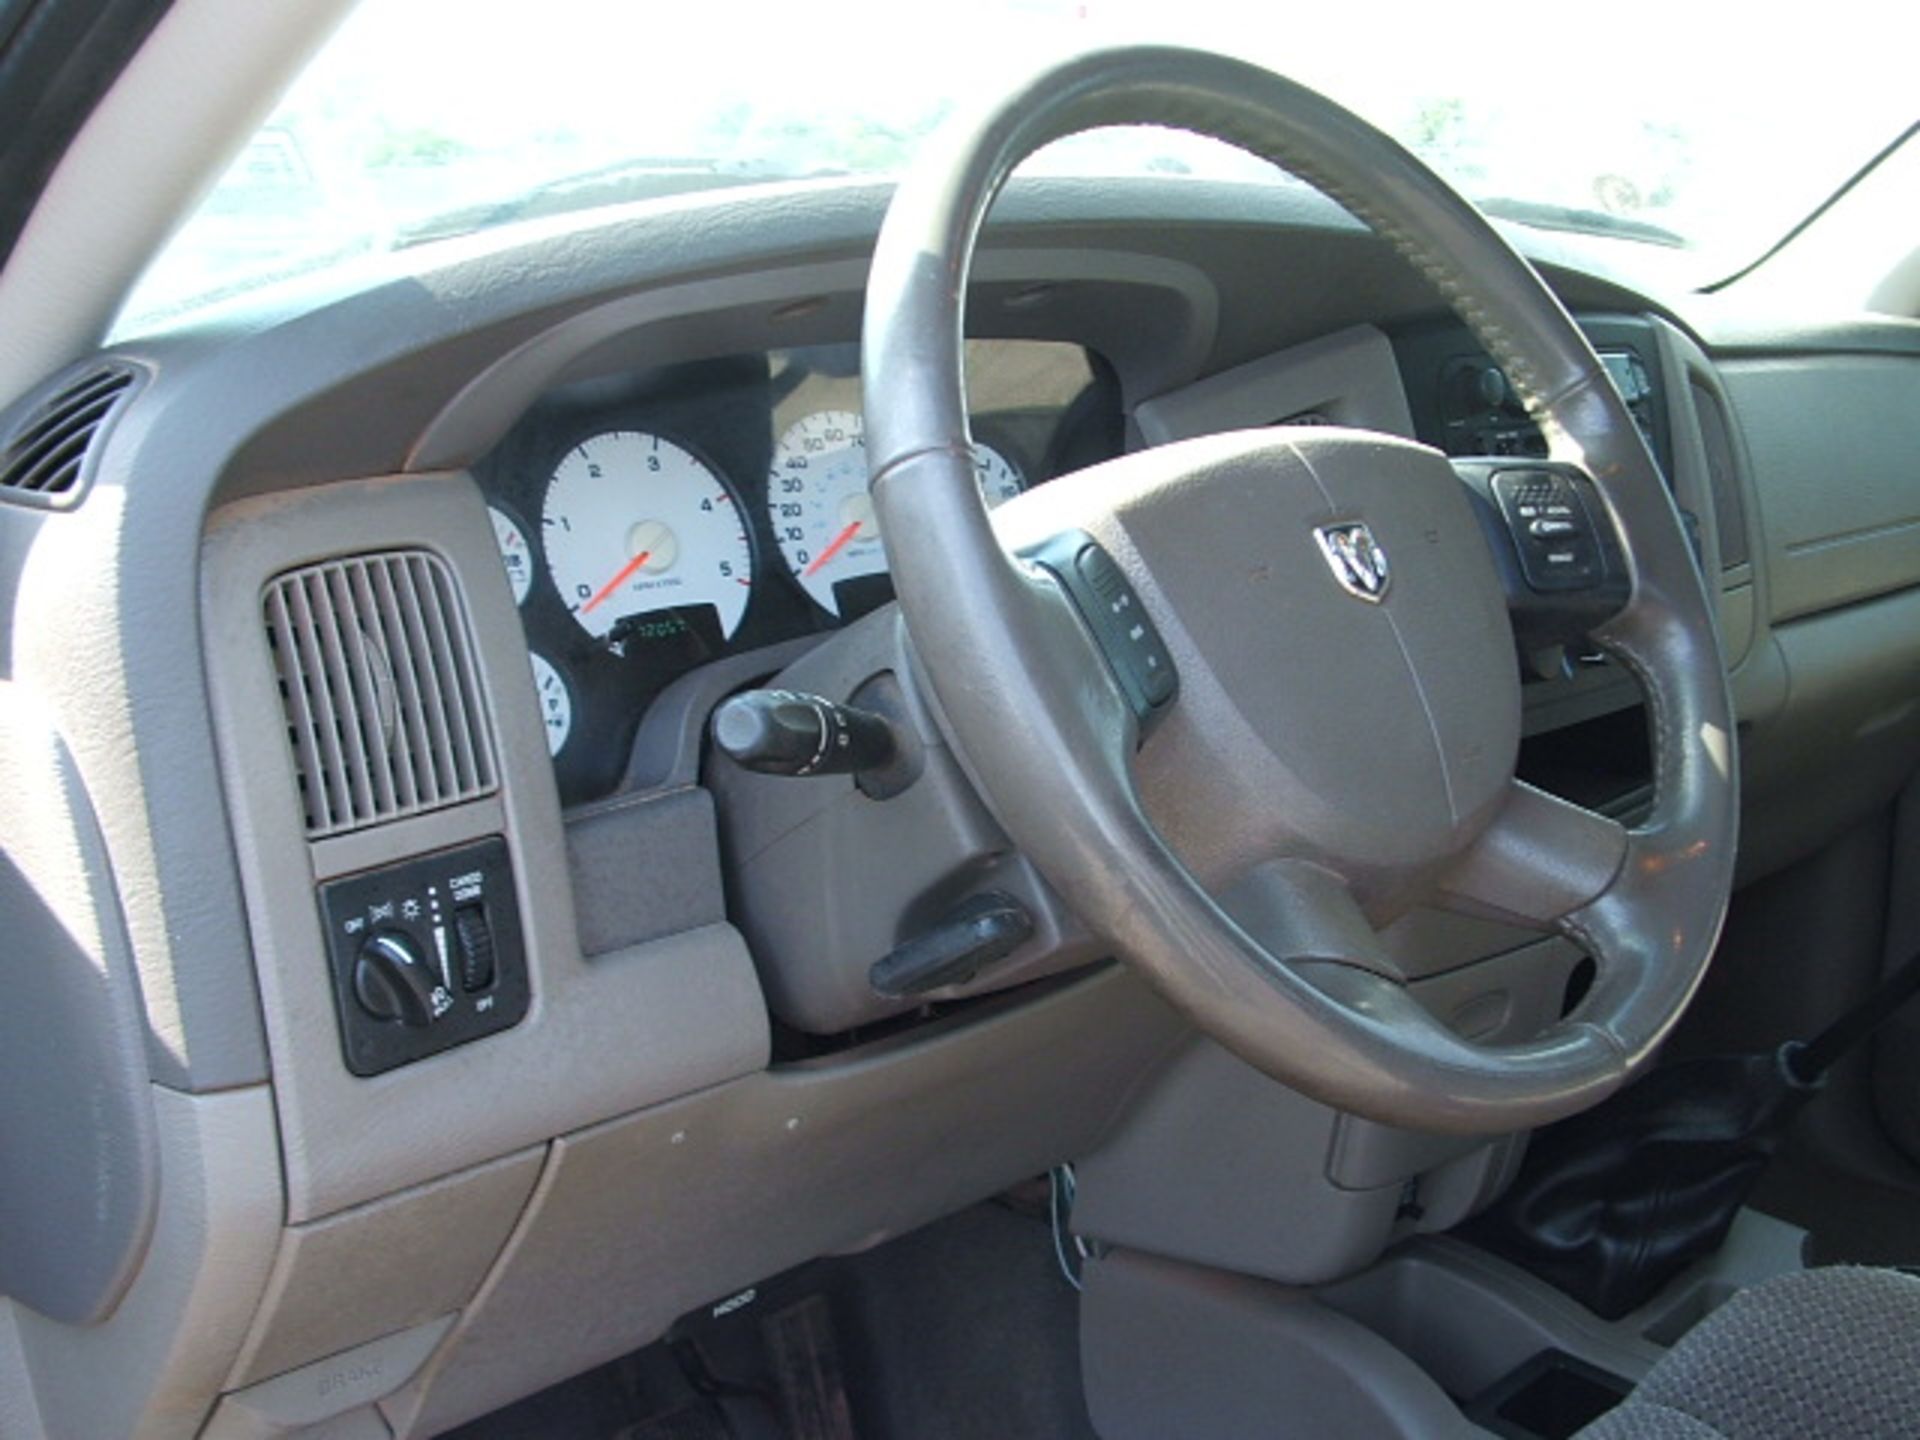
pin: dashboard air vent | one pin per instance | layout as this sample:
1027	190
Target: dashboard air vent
44	457
1729	506
383	704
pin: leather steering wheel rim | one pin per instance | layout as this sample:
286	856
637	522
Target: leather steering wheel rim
1049	740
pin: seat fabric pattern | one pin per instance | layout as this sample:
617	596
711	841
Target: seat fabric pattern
1644	1420
1830	1353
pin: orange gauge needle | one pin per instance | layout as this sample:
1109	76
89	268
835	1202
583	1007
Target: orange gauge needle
626	573
839	544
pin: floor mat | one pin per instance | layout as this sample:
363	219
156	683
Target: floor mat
643	1396
964	1330
804	1350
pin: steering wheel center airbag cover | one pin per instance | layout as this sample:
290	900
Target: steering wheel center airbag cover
1377	734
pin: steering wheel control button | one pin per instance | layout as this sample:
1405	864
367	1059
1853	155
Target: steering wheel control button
787	732
1121	627
1554	546
1132	643
1558	543
426	954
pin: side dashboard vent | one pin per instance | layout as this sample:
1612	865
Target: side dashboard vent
382	699
1723	479
43	459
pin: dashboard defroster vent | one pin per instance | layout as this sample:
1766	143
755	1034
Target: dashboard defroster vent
383	704
43	460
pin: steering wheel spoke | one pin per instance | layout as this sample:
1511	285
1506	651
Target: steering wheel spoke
1301	913
1541	860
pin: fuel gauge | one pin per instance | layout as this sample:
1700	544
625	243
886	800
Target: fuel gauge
515	553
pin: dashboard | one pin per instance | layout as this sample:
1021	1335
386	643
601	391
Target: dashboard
593	436
654	522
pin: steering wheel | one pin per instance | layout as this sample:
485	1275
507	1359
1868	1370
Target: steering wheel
1336	612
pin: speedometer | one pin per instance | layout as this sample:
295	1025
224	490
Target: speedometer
822	514
999	480
635	524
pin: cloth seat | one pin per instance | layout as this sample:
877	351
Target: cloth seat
1832	1352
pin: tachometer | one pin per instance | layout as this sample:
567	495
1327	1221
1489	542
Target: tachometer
821	512
635	524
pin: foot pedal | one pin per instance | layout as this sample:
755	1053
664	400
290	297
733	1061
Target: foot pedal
806	1364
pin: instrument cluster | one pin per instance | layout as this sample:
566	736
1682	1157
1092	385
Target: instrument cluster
654	522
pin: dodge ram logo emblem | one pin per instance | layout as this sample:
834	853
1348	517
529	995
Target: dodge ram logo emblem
1356	559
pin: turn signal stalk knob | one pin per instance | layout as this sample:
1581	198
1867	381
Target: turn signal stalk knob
788	732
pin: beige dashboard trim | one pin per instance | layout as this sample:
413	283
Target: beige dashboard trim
639	1220
602	1037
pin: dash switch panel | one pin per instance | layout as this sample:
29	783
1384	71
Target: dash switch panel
426	955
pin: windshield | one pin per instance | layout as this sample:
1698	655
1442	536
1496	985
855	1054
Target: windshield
1671	125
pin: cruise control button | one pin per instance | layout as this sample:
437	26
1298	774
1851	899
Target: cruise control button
1557	544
